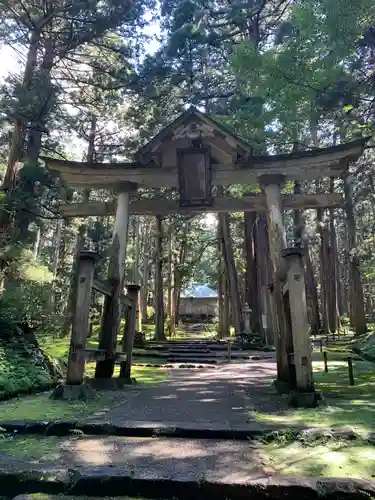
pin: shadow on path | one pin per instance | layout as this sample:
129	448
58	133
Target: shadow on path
225	396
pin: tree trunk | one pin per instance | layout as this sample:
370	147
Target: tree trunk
35	132
16	146
145	274
80	241
223	302
355	285
300	238
251	281
311	289
159	296
37	242
299	223
177	279
55	264
231	272
263	277
170	281
334	265
136	271
323	255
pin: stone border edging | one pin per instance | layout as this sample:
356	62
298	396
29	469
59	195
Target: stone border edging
67	428
177	365
116	481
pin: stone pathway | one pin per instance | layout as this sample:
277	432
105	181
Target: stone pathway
228	397
159	458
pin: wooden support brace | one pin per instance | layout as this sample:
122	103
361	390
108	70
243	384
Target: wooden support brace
129	331
299	319
81	326
103	288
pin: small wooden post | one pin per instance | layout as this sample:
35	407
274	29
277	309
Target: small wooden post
247	318
321	345
129	331
325	361
299	319
81	327
111	310
350	369
271	185
229	351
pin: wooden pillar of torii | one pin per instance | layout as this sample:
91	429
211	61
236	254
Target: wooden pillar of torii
292	338
271	186
116	271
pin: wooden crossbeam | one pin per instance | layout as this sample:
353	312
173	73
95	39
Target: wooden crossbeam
126	301
256	203
303	165
103	287
92	355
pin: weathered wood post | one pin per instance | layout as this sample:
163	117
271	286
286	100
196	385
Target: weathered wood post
271	185
300	326
73	388
81	325
129	331
111	311
350	370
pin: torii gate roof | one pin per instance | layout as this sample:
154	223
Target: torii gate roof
232	160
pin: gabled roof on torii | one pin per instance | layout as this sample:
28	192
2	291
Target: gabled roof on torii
156	163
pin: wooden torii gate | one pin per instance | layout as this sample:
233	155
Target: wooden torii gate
195	154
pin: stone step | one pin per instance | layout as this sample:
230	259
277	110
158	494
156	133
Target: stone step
166	468
170	346
191	351
220	355
201	361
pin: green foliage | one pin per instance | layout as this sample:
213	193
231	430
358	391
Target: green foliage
27	296
22	364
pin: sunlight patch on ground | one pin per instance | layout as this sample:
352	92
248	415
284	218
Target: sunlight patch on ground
346	406
40	407
335	459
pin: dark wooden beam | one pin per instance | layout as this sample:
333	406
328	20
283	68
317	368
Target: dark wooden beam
102	287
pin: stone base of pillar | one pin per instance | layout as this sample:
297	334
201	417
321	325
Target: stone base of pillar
305	399
282	386
68	392
110	384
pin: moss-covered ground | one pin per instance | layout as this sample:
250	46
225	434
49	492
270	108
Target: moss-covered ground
283	455
336	458
344	406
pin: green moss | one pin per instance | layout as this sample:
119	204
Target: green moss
352	406
30	448
333	459
143	375
22	365
40	407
